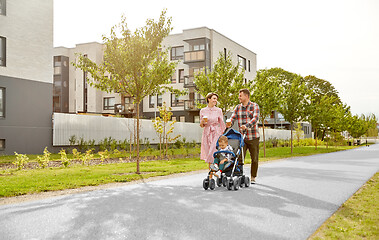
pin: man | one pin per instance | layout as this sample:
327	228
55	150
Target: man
247	116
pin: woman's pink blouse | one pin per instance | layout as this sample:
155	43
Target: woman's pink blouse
212	131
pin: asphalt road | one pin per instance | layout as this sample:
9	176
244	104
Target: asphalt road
291	199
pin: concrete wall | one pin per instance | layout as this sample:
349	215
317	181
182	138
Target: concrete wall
27	126
28	29
27	76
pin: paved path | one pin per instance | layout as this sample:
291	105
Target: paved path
290	201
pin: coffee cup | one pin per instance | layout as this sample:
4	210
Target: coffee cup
228	123
205	118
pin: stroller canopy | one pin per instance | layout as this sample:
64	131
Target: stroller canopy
233	134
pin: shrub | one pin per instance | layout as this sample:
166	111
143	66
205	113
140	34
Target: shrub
76	154
64	160
45	159
104	155
87	157
21	160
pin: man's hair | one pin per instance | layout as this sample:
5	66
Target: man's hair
223	139
245	91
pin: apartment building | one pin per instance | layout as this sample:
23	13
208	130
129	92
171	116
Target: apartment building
194	50
26	44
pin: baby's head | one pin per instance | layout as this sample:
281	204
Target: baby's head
223	142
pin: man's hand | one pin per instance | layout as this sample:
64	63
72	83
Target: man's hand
243	127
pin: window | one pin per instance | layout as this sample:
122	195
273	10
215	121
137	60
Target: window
2	144
249	65
159	100
2	102
109	103
57	65
196	119
3	7
173	118
151	101
173	78
198	47
181	75
153	98
177	53
242	62
176	101
3	51
182	118
128	100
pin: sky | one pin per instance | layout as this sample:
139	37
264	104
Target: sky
334	40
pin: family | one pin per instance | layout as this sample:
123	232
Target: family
211	119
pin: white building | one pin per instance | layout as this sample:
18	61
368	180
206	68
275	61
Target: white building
194	49
26	44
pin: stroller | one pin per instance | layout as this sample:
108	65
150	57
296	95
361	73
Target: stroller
232	176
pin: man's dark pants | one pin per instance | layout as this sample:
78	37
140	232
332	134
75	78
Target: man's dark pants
253	146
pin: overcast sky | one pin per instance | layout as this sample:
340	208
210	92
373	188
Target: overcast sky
335	40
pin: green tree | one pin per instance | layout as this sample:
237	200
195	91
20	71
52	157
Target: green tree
267	93
225	79
135	63
296	97
164	128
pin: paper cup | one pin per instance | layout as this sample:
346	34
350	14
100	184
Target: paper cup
228	123
205	119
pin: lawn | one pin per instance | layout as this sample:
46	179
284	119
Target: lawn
357	218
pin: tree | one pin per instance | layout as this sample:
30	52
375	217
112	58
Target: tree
323	97
135	62
267	93
295	99
225	79
164	128
318	112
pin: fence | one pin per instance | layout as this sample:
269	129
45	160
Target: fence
97	128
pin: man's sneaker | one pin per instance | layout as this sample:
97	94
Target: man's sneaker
214	167
252	180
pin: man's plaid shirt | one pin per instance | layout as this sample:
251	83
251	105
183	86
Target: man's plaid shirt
248	116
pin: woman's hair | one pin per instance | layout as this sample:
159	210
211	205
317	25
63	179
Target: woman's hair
223	138
245	91
210	95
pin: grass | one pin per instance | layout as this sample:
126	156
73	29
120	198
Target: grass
14	183
40	180
357	218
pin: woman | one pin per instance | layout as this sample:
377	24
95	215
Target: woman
211	119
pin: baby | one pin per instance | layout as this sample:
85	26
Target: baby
223	160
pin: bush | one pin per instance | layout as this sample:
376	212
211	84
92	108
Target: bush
64	160
21	160
45	159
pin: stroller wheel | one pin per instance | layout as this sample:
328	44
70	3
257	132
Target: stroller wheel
241	181
230	184
212	184
236	184
219	182
247	181
224	181
205	183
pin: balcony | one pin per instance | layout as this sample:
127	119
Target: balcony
194	56
191	105
188	81
127	108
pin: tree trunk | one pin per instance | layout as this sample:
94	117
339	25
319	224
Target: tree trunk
264	139
137	108
291	137
316	139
